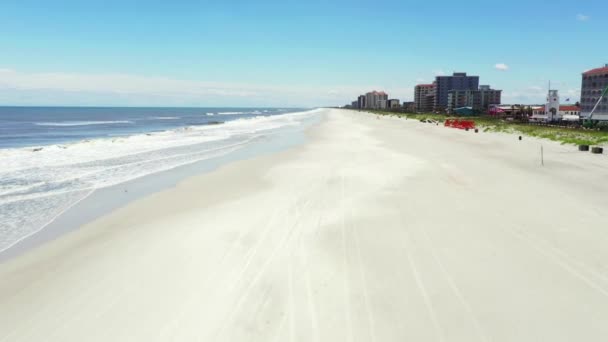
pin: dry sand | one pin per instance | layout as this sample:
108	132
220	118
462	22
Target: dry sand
374	230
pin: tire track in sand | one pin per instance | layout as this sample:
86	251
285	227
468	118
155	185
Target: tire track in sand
346	284
368	307
450	280
282	245
406	239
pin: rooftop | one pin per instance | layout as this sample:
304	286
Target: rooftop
378	93
569	108
597	71
561	108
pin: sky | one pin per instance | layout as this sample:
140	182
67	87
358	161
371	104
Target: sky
289	53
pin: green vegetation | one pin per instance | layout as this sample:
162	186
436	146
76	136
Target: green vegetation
595	135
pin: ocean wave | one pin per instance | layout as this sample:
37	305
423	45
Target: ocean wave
231	113
82	123
164	118
210	114
37	187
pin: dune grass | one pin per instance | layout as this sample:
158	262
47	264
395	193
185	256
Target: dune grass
574	136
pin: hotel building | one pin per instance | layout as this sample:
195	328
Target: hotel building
594	83
424	97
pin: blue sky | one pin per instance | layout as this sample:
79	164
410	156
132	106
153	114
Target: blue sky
288	53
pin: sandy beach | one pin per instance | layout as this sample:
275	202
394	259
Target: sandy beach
375	229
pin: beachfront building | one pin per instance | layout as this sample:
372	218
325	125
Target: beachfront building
537	111
424	97
551	108
394	104
570	112
566	113
376	100
361	102
462	98
552	105
445	84
553	111
489	97
409	106
479	100
506	110
593	84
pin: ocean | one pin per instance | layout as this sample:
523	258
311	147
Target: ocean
52	158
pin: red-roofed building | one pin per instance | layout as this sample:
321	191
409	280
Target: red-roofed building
568	113
570	109
596	71
593	84
376	100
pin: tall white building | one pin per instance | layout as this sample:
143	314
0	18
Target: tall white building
552	105
373	99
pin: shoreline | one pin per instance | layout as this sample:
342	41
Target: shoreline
140	121
105	200
385	229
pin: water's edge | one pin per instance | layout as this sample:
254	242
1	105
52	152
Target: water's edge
105	200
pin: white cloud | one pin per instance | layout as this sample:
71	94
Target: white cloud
438	72
56	88
501	67
582	17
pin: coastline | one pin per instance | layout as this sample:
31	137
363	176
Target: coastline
105	200
380	228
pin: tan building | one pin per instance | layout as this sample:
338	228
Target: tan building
376	100
424	97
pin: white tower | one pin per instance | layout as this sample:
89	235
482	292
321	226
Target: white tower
552	106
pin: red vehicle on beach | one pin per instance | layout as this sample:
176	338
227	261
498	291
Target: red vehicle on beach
460	124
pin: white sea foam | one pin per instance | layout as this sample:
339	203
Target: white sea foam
164	118
82	123
231	113
36	187
210	114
